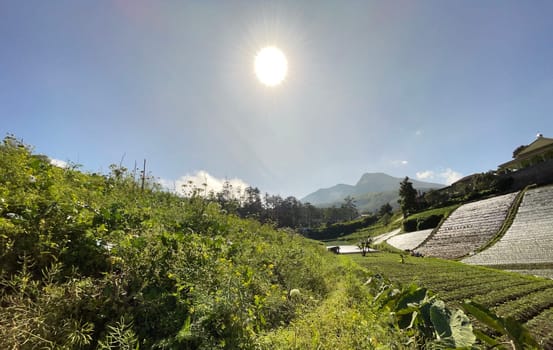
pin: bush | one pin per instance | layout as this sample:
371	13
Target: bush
410	225
428	222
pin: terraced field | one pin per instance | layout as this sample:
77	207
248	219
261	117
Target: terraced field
528	299
468	228
528	243
383	237
408	240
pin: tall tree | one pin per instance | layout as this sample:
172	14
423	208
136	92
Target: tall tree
252	206
407	197
349	209
518	150
385	209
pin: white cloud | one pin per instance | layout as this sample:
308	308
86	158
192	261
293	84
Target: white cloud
399	162
451	176
202	180
448	176
418	132
425	175
58	163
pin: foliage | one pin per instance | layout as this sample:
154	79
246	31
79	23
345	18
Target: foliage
375	226
421	223
426	219
518	150
94	261
409	225
511	295
340	229
365	245
519	337
376	314
385	209
343	321
470	188
407	197
282	212
423	317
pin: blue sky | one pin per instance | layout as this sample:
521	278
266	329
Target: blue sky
441	89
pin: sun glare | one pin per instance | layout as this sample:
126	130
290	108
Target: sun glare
270	66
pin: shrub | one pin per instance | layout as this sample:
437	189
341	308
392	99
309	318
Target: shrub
428	222
410	225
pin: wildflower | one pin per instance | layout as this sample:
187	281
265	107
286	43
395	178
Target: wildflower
294	293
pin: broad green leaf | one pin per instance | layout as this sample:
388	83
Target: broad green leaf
482	314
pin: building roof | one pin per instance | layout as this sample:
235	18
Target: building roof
539	145
536	145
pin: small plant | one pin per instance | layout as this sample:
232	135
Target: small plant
120	336
365	245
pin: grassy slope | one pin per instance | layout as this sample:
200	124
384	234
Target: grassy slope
525	298
371	231
445	211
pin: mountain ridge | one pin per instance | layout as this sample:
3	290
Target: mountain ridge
371	191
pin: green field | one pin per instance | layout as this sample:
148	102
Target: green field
527	299
370	231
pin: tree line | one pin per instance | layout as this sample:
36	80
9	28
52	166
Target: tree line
267	208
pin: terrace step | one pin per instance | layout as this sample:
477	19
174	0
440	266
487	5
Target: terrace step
409	240
468	228
529	240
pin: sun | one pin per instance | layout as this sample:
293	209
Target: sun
270	66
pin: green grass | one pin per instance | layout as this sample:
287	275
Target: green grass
371	231
445	211
510	294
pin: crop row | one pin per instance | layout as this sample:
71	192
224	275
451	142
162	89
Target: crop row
510	294
547	273
451	286
474	291
542	326
528	306
513	292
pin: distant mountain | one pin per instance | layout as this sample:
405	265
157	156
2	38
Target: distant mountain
371	192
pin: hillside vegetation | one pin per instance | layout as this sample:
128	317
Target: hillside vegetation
91	261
